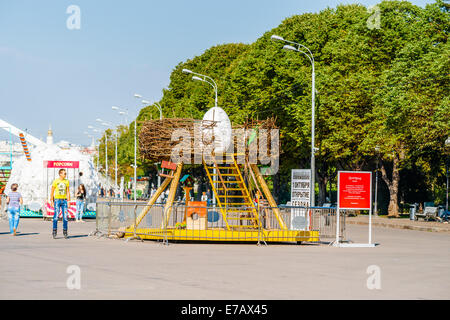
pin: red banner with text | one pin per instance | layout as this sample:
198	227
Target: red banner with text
355	190
62	164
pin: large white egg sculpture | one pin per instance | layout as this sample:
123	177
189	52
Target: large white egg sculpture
221	132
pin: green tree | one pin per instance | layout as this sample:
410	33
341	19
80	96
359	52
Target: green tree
385	87
412	111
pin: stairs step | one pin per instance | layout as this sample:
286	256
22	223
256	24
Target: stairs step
236	197
243	226
237	210
218	174
226	181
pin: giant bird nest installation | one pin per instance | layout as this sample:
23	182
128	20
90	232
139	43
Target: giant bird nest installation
236	215
155	137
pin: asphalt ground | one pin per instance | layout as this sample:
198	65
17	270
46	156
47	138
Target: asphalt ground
406	264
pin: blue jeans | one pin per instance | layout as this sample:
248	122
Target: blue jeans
13	216
60	205
80	209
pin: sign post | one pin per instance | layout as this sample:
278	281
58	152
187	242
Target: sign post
354	192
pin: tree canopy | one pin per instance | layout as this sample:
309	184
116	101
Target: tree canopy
383	87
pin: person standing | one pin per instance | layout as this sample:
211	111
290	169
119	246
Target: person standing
14	201
80	179
59	197
152	192
204	198
81	198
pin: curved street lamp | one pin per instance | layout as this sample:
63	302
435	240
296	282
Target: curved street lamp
211	82
96	130
377	150
122	112
109	124
148	103
313	98
203	78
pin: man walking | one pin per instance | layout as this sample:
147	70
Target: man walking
59	197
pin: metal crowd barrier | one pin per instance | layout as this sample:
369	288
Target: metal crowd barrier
188	223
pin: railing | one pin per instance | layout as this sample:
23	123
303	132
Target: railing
3	214
187	223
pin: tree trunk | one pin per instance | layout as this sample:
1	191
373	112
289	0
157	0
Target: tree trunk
276	187
322	190
393	183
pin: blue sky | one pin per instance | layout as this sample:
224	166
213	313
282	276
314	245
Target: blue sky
68	78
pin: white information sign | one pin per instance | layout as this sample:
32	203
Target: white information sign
300	197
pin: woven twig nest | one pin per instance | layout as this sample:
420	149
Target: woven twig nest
156	141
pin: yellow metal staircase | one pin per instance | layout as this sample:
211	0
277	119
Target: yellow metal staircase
233	198
4	176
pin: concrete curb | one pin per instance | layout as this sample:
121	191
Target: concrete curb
399	226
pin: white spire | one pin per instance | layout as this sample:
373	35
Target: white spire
49	135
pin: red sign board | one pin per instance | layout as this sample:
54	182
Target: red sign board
355	190
62	164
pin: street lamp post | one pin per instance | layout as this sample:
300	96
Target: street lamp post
211	82
138	96
92	144
106	161
447	144
97	149
313	97
123	112
377	149
147	103
108	124
98	155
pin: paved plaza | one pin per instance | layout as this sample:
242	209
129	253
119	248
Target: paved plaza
412	264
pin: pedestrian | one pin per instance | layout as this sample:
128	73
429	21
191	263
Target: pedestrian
204	198
102	192
14	201
59	197
81	198
152	192
256	198
80	178
208	196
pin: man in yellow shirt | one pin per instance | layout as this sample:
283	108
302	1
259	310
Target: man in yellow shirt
59	197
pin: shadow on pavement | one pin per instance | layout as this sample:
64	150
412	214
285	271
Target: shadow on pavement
78	236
